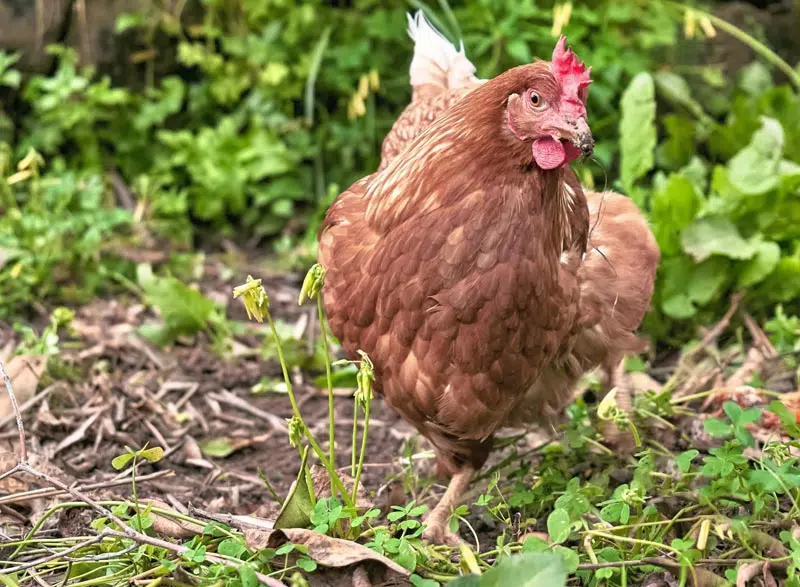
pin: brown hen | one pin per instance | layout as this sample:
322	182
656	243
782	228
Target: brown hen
455	267
617	275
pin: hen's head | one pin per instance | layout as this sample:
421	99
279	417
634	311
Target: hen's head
546	104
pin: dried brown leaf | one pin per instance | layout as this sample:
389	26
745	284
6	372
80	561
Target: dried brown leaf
326	551
747	572
172	527
24	372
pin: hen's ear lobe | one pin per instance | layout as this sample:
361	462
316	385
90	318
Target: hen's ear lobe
512	99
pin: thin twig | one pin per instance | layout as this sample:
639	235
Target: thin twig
50	492
56	555
226	397
31	402
23	451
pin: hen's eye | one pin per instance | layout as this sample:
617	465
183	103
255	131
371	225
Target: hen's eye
536	99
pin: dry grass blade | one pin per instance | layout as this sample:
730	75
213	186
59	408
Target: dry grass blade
228	398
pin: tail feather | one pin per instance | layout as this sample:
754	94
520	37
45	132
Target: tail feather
436	60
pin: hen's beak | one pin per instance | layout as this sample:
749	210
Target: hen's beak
577	131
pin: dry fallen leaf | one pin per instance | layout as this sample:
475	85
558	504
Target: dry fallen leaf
750	571
326	551
171	527
24	372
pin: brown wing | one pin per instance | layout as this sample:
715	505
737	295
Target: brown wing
618	273
617	277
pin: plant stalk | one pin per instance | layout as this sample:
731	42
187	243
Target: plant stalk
329	380
335	481
363	447
740	35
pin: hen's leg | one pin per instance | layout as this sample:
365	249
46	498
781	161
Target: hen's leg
437	520
617	378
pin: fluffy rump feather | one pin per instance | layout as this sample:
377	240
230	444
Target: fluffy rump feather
436	61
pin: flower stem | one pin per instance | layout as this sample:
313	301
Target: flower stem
355	439
740	35
329	379
363	447
336	483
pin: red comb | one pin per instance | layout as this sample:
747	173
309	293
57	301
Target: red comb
572	73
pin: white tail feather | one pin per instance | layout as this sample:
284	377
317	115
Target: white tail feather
436	60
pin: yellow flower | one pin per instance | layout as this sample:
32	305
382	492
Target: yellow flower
561	15
689	24
254	296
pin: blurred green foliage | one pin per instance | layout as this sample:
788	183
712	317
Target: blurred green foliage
255	128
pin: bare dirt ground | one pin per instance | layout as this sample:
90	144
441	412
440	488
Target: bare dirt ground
112	389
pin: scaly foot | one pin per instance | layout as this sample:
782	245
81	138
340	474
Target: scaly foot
440	533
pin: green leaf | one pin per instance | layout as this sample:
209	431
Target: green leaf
715	235
128	20
755	270
678	306
778	408
717	428
248	576
707	280
299	503
570	557
558	526
307	564
153	455
418	581
754	169
684	460
675	89
120	462
219	447
528	569
783	284
637	129
755	78
674	207
535	544
232	547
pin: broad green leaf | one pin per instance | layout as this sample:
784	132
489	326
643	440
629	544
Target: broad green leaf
637	129
529	569
707	280
219	447
674	207
418	581
717	428
248	576
232	547
679	307
570	557
119	462
755	169
783	284
558	526
715	235
679	146
535	544
153	455
684	460
761	265
755	78
675	89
